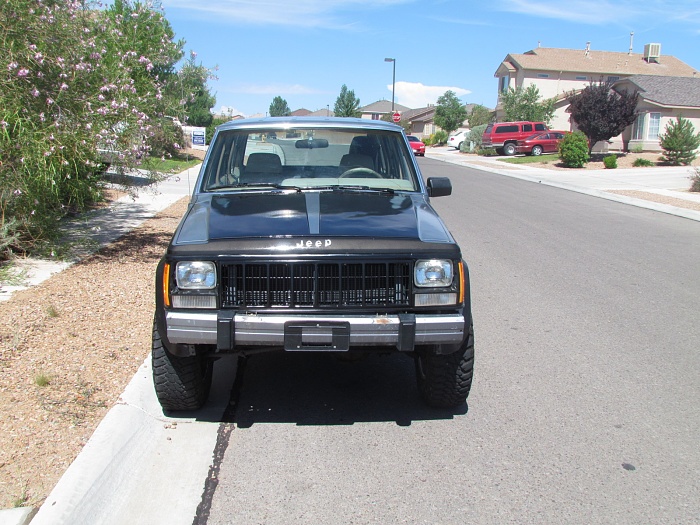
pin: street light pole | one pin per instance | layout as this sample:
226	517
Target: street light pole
393	81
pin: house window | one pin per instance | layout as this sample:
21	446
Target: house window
504	83
613	79
375	116
654	122
581	78
542	75
638	130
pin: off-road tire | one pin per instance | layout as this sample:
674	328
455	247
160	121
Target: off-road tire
181	383
444	381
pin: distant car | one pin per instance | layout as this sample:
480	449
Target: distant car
416	145
540	143
503	136
456	140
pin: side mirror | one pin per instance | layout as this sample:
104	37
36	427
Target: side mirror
439	186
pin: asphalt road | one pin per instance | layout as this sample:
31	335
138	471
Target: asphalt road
585	407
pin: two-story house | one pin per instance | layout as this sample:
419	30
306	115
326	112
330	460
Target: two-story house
559	72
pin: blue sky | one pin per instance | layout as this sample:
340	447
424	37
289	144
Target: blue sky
305	50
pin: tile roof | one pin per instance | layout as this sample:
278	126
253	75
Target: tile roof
666	91
419	115
382	106
596	62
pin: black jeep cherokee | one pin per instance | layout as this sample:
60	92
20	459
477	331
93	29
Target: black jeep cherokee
312	235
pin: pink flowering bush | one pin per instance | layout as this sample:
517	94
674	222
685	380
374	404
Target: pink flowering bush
74	82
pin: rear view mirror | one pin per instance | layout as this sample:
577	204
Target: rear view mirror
311	143
439	186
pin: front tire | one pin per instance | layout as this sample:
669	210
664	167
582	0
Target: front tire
509	149
181	383
537	151
444	381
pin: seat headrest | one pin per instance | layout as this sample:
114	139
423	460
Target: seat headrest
264	163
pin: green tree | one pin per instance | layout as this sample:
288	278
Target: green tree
196	100
525	104
450	113
347	104
680	142
601	113
479	115
279	108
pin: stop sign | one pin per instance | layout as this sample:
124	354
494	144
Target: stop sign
396	117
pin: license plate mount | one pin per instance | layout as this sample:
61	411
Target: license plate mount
316	336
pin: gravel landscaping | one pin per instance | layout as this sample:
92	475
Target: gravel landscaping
68	348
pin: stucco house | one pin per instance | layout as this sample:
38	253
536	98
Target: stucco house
661	100
376	110
559	72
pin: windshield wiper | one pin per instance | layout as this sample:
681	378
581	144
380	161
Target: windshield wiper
255	185
343	188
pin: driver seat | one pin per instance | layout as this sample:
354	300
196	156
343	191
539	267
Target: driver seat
356	160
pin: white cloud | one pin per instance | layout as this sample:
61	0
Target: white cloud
300	13
417	95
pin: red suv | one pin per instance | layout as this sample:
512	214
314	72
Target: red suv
504	136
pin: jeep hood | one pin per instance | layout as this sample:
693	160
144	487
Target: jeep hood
327	214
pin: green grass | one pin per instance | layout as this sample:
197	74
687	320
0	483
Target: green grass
42	380
529	159
51	311
171	165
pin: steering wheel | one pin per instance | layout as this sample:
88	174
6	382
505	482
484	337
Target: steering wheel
360	173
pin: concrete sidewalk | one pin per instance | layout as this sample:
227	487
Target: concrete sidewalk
100	227
669	182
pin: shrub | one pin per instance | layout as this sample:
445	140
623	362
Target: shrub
488	152
640	162
637	148
610	162
695	180
475	136
573	150
680	142
440	137
429	140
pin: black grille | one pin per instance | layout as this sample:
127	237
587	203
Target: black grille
315	284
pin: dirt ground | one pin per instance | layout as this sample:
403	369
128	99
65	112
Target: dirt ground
68	348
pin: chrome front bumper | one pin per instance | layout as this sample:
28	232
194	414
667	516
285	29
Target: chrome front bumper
314	331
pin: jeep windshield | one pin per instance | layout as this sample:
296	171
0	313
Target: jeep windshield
308	159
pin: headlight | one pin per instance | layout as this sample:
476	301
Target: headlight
433	273
195	275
